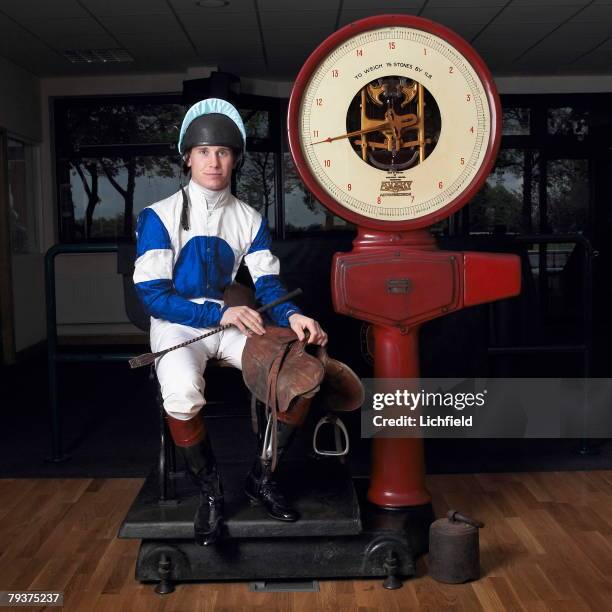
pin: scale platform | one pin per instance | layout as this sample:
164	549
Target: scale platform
339	533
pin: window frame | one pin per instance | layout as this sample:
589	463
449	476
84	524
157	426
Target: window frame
549	146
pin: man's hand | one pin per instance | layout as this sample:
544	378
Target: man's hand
247	320
299	323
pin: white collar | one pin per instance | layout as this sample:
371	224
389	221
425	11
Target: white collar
209	198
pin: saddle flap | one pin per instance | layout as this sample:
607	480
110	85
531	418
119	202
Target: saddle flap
299	374
341	389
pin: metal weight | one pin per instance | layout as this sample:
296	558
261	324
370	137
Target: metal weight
454	555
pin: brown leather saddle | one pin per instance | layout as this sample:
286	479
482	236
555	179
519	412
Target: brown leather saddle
286	374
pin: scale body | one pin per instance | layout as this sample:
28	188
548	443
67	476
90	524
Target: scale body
394	124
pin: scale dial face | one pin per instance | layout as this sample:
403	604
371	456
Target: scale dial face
394	122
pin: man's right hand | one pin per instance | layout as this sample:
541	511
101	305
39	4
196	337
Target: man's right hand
247	320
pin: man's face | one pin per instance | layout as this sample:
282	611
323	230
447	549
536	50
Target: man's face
211	166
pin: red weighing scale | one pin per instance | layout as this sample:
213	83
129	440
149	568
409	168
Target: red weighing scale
394	124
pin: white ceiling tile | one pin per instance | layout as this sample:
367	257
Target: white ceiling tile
383	7
147	25
468	3
30	53
291	8
35	9
300	49
230	36
593	13
228	22
524	32
61	33
300	19
170	53
86	41
465	30
576	30
140	41
575	3
110	8
253	49
306	36
545	13
501	44
354	15
558	51
599	61
598	54
455	14
537	65
8	24
234	6
218	38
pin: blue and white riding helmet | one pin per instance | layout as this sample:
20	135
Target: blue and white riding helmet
213	122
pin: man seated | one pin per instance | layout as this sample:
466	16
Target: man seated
189	248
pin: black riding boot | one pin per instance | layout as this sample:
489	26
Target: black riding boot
190	438
202	467
261	487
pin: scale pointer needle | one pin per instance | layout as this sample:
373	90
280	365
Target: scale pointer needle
378	127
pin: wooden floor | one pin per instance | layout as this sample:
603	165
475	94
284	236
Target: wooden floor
547	545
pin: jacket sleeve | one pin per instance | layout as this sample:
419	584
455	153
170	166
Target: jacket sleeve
264	268
153	278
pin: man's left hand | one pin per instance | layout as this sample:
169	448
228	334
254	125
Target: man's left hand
299	324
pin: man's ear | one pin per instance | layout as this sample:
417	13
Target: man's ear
187	159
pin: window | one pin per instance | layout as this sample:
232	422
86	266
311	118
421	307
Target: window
568	195
568	121
543	178
551	181
107	193
256	183
114	157
302	211
516	121
508	202
22	180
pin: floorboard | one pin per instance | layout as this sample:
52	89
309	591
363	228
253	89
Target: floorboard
547	545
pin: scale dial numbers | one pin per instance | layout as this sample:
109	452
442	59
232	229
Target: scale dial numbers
395	125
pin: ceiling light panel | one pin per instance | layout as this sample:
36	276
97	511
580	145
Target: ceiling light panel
97	56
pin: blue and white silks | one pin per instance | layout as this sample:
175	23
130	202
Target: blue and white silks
180	275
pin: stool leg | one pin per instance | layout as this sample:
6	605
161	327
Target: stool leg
163	438
166	456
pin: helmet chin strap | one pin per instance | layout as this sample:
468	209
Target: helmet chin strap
185	209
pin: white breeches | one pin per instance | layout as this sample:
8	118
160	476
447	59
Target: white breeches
181	372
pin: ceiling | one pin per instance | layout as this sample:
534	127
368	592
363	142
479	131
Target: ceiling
272	38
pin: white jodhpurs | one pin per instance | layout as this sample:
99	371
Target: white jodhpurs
181	372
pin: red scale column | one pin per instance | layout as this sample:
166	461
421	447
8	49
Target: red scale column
397	281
